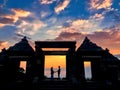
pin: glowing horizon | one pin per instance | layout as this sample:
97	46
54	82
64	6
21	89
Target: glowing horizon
59	60
55	61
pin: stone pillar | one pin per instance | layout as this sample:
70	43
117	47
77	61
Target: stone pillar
96	69
81	69
70	63
80	74
29	69
39	66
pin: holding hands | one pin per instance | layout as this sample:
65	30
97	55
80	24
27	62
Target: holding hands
58	71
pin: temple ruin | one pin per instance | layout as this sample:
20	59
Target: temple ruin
104	66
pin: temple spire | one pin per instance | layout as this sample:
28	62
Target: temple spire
86	40
88	45
24	39
23	45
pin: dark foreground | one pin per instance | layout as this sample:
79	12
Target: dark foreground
59	85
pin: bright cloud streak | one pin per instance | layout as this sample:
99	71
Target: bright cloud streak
30	28
20	13
99	4
44	14
53	32
82	25
97	17
62	6
47	1
2	25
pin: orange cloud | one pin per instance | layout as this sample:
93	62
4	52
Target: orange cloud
6	20
99	4
107	38
2	25
79	22
3	44
62	6
25	27
11	19
20	13
115	51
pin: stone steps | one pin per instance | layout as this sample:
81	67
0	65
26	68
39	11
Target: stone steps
54	85
58	85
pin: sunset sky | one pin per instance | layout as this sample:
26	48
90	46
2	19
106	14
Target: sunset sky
61	20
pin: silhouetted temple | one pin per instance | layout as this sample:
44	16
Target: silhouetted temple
104	66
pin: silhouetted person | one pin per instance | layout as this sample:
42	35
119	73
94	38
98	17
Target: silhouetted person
21	74
52	73
59	71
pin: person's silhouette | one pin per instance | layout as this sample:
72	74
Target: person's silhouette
52	73
59	71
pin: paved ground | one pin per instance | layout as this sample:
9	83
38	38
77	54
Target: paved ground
57	84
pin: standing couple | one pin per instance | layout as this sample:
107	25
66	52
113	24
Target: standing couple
58	71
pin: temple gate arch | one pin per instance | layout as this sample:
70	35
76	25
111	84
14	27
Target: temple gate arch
40	55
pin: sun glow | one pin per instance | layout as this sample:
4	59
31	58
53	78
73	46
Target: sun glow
55	61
